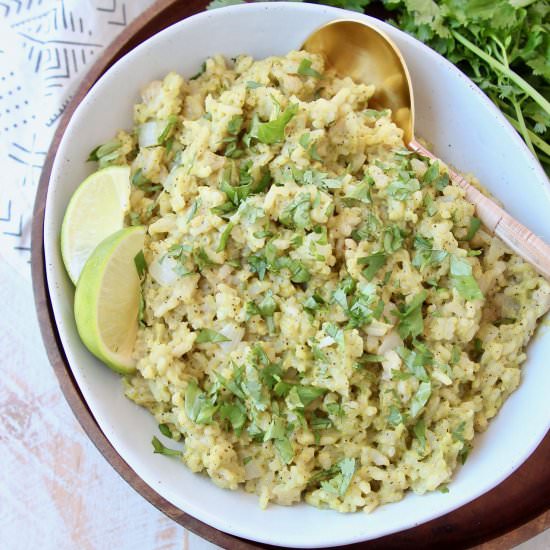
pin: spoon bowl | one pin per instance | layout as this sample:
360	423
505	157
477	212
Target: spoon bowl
366	54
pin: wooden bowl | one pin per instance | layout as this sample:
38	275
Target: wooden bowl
514	511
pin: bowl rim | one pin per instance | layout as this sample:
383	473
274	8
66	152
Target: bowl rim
47	321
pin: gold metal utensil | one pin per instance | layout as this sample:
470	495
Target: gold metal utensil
366	54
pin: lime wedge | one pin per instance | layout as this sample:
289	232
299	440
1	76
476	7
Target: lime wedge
96	210
106	302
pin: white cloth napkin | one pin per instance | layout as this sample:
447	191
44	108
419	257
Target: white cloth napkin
46	47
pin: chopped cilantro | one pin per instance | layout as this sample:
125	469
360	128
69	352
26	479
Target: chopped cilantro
165	430
420	398
140	263
463	280
313	303
285	449
475	224
340	483
441	182
171	122
401	189
159	448
274	131
200	71
201	259
207	335
225	236
373	113
337	334
235	414
395	417
373	263
425	255
305	69
143	183
420	433
193	210
371	358
464	452
198	407
431	173
359	194
296	214
455	355
458	432
234	125
411	322
415	362
105	153
369	230
307	394
392	239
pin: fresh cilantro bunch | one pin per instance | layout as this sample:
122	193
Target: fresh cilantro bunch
502	45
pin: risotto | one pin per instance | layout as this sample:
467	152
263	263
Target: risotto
323	317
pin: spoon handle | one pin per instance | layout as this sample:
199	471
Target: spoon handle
522	241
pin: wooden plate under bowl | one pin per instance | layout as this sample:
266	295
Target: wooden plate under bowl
513	512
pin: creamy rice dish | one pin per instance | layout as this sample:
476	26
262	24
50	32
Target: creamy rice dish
323	316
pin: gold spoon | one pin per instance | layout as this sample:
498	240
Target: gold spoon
368	55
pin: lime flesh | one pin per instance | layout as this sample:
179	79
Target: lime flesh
95	211
107	298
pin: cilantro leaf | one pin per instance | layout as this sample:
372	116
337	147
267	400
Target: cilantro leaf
340	483
207	335
463	280
411	322
105	153
140	263
285	449
225	236
274	131
198	407
420	398
296	214
337	334
165	430
395	417
401	189
374	263
305	69
475	224
425	255
235	414
308	394
420	433
159	448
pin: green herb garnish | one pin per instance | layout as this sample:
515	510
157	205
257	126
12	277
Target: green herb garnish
463	280
305	69
207	335
159	448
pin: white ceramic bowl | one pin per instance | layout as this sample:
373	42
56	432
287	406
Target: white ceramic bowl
465	129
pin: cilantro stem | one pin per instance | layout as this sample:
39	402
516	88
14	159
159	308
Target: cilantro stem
535	140
523	127
506	71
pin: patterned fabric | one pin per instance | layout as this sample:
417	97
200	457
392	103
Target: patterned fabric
46	46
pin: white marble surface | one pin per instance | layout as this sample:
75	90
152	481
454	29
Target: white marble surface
56	490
